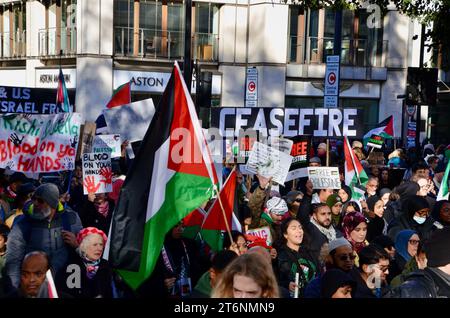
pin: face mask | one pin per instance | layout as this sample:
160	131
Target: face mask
419	219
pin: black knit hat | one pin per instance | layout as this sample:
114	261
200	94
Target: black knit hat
438	248
334	279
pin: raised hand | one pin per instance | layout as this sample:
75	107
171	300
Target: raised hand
107	175
90	185
263	181
16	140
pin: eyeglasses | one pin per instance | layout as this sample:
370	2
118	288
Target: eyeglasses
414	242
345	257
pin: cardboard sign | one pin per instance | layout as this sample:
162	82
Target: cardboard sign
324	177
107	143
263	232
97	172
300	157
27	100
375	141
87	138
131	121
39	143
269	162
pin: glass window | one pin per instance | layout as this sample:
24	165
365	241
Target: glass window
150	15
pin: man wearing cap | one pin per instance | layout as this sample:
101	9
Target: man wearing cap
434	280
46	226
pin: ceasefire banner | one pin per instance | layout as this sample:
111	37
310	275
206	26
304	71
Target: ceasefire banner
97	172
289	122
39	143
29	100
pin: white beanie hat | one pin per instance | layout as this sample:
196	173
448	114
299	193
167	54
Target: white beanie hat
277	206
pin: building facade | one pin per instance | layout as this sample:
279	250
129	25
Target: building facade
101	44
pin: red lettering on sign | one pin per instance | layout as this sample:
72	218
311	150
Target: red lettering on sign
299	149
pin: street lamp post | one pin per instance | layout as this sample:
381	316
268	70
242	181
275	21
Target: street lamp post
419	99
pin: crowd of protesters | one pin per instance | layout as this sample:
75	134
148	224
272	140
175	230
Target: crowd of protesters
394	242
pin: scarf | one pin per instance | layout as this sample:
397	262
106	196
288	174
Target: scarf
91	266
330	232
103	208
357	247
10	195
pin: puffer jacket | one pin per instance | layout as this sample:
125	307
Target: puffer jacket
29	234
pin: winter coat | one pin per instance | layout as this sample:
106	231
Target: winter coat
410	267
375	227
405	222
99	286
315	238
426	283
91	217
29	234
289	262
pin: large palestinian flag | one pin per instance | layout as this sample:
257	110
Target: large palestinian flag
384	129
355	176
172	175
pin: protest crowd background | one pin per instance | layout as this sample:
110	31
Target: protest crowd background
119	219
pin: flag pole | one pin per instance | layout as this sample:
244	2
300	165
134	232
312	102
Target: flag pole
223	210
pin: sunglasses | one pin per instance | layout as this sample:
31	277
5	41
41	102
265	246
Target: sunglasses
298	200
414	242
346	257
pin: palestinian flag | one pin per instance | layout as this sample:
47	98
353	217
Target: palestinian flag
121	96
171	176
193	223
443	190
355	176
52	293
62	97
214	222
384	129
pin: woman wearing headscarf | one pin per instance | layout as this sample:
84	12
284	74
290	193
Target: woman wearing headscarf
416	217
404	191
384	196
377	225
354	226
96	278
345	193
406	244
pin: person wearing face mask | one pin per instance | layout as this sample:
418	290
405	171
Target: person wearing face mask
46	225
416	217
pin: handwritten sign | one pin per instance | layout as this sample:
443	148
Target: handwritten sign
107	143
97	172
324	177
269	162
39	143
263	232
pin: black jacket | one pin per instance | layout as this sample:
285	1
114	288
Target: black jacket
315	238
427	283
405	222
91	217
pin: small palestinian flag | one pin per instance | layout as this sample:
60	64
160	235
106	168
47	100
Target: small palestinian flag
384	129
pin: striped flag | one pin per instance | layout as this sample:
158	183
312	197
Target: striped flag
62	97
214	222
52	293
172	175
384	129
355	176
121	96
443	190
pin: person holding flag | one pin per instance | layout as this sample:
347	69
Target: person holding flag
384	129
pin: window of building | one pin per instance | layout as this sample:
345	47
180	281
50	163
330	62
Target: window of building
157	30
59	34
13	30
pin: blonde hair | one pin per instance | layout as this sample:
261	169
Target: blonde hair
252	265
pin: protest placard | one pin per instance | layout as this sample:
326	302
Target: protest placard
300	157
107	143
130	121
269	162
97	172
87	133
39	143
324	177
375	141
263	232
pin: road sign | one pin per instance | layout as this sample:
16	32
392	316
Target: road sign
331	93
251	88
